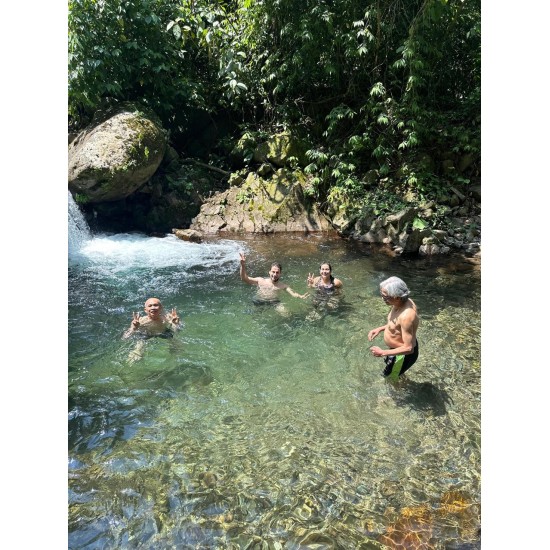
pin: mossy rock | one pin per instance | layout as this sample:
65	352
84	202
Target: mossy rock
116	154
280	150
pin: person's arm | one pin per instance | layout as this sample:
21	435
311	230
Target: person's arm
295	294
134	325
337	283
244	274
375	332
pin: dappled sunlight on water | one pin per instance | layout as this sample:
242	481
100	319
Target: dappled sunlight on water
254	428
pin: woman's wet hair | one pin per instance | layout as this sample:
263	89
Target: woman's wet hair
395	288
325	263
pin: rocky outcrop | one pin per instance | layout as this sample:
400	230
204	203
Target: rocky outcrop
408	232
116	165
262	206
115	155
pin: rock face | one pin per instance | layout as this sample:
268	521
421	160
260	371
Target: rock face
115	155
262	206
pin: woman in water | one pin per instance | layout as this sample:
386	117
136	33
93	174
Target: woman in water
325	282
328	287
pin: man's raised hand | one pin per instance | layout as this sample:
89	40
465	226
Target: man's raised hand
174	317
135	320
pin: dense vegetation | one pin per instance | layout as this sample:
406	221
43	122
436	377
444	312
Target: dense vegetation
389	88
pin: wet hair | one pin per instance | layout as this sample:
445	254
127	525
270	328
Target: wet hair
329	268
277	264
395	287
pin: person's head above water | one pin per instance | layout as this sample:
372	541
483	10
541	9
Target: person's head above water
394	287
153	308
325	270
275	271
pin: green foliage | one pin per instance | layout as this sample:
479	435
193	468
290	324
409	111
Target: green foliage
171	56
247	144
419	224
215	31
371	84
388	79
81	199
385	199
117	49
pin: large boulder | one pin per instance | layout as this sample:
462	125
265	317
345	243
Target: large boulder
262	206
116	154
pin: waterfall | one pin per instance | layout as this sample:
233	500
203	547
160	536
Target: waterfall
79	232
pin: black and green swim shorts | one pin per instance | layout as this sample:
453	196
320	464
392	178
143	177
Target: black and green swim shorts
396	365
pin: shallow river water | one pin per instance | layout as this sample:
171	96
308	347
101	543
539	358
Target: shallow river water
261	429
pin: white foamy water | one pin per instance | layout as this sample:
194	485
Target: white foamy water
125	251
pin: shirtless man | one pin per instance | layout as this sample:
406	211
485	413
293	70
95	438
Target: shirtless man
399	331
154	323
267	288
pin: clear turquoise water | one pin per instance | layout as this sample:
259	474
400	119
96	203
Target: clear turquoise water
256	429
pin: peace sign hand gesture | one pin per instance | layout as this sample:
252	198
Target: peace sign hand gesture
135	320
174	317
310	279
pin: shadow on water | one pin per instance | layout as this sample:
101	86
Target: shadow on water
420	396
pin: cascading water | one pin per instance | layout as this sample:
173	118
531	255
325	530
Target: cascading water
79	232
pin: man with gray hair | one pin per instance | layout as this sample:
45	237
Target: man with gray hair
399	331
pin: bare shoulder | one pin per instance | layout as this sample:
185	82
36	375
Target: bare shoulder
337	283
410	314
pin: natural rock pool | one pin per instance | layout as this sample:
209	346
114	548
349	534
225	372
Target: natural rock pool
256	429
